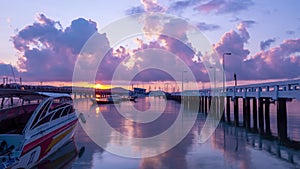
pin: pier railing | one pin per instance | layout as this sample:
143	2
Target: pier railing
289	89
261	95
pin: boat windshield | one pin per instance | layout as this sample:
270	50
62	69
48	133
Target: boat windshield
17	107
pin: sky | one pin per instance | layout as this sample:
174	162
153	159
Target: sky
43	39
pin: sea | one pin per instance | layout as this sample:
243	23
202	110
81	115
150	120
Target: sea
155	133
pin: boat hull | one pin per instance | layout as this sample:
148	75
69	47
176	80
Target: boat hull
36	150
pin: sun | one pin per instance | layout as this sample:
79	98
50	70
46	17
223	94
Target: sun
98	86
101	86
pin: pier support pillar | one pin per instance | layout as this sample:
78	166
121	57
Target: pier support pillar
228	108
244	112
248	114
282	119
200	104
267	116
209	102
261	116
222	107
199	108
254	111
205	104
236	111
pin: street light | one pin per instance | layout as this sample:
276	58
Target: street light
182	80
226	53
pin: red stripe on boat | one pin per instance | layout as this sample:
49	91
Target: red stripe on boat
34	144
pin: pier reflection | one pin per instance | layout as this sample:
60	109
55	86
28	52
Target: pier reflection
229	146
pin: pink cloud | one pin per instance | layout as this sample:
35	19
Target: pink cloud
224	6
282	61
152	6
49	51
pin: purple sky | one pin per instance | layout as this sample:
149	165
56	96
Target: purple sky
263	37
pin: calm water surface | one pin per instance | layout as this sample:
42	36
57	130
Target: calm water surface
228	147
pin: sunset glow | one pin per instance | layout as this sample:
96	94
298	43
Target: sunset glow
247	29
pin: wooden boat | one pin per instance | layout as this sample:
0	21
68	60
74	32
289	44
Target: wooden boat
33	126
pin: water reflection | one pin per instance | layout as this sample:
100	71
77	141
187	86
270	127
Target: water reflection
116	132
63	158
229	147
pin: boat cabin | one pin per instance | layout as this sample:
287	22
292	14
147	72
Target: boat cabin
17	109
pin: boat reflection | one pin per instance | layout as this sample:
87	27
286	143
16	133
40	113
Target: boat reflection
63	158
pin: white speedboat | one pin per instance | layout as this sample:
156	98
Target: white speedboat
33	126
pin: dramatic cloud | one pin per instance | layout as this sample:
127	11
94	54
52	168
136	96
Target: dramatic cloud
266	44
170	39
207	27
224	6
234	42
152	6
282	61
49	51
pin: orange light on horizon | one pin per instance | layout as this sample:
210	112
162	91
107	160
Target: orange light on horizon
101	86
98	86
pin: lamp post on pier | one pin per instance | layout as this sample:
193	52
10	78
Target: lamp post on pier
227	53
182	80
224	88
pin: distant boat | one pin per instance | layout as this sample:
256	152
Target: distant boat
33	126
109	100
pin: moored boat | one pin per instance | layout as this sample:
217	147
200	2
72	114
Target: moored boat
33	126
109	99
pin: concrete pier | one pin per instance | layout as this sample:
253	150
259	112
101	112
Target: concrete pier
282	119
261	116
228	109
254	111
256	116
267	116
236	111
248	114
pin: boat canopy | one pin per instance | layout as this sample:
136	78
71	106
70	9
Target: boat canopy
29	95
